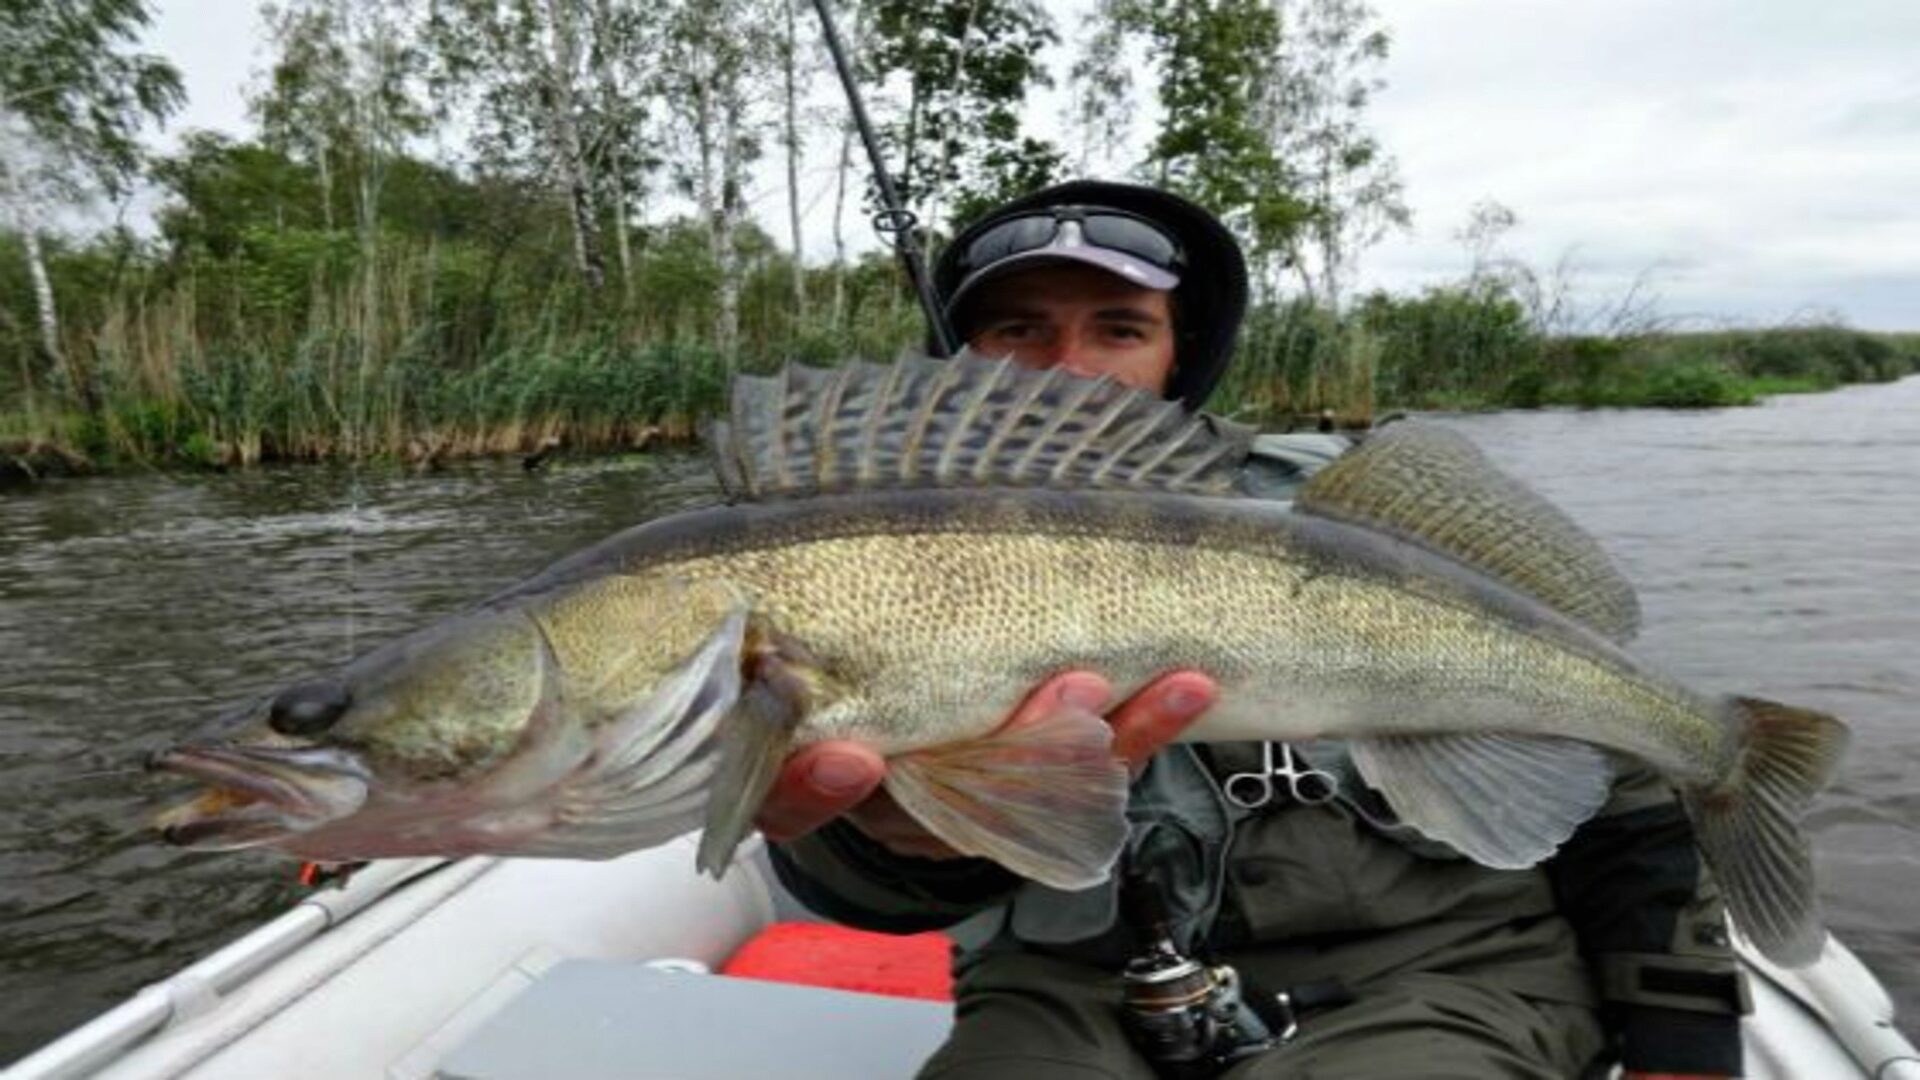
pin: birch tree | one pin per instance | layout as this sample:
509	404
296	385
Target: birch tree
73	98
345	91
968	66
556	98
1101	82
304	110
843	165
1211	59
1314	111
622	145
717	61
794	85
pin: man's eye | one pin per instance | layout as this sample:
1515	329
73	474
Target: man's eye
1013	331
1124	332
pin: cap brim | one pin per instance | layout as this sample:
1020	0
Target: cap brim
1118	263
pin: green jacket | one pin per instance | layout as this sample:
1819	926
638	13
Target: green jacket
1622	918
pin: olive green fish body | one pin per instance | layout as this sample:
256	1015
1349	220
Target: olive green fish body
911	549
935	611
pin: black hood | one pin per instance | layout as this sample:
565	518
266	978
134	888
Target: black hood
1210	300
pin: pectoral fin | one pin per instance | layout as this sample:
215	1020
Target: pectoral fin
640	780
779	686
1503	801
1046	800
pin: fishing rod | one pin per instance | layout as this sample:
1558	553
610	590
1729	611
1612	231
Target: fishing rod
894	221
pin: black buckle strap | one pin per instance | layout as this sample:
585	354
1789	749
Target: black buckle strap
1660	980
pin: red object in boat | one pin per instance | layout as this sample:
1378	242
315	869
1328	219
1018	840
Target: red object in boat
819	954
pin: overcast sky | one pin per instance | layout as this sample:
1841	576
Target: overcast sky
1757	160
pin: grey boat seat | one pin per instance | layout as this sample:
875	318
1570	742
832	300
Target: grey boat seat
592	1019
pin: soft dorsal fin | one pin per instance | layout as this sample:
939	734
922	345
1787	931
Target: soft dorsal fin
1433	486
964	422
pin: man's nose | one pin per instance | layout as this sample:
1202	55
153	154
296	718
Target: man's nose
1068	350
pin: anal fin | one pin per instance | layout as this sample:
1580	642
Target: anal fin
1047	800
1503	801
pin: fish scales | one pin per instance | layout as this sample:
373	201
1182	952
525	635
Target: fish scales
910	554
943	606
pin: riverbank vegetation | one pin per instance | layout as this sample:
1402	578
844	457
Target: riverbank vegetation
590	267
1479	348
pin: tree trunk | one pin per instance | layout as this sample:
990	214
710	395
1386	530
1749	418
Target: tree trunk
705	189
49	316
730	196
616	166
937	190
839	226
622	244
42	290
566	136
322	159
793	168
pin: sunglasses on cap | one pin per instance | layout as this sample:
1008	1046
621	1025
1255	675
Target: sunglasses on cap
1063	228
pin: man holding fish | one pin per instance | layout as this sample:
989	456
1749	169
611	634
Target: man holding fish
1422	963
1421	789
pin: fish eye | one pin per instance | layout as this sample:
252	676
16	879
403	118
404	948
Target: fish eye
308	708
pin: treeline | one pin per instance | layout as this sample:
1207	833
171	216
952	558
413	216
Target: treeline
247	331
258	345
244	334
589	264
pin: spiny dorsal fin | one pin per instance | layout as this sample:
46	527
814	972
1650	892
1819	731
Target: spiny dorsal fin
965	422
1429	484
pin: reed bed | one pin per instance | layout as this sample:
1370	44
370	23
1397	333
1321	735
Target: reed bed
301	348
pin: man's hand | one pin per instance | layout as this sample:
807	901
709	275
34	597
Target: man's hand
834	779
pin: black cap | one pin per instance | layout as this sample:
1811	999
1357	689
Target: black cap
1211	298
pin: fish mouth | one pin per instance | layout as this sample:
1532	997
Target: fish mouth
256	795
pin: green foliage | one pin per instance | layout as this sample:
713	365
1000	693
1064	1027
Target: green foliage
1213	58
69	78
1453	339
1473	346
245	335
319	292
1695	386
968	66
1315	101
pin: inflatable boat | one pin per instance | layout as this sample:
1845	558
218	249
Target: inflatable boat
503	969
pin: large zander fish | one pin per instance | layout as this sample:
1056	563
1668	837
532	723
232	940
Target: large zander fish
911	548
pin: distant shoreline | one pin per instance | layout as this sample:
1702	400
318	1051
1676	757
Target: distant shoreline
1681	371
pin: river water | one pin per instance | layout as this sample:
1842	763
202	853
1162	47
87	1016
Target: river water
1777	549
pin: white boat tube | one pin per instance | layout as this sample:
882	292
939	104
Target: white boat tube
424	960
1849	1003
198	988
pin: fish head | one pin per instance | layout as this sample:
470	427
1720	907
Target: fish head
363	759
575	724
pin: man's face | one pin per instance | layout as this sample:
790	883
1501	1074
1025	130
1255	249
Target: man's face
1079	318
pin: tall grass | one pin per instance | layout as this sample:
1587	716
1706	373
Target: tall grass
281	357
290	348
1476	347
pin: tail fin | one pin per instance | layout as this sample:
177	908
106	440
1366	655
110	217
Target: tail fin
1748	826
